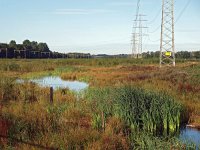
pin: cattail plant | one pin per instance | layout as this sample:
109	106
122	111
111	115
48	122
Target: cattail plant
149	111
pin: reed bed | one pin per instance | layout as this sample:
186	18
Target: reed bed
150	120
152	112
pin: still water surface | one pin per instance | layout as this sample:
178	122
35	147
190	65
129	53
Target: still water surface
56	82
190	135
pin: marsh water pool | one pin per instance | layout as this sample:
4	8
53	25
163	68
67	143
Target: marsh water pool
190	135
56	82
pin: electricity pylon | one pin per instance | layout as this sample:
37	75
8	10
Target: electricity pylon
137	48
167	50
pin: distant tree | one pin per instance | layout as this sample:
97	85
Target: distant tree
197	54
34	46
13	44
149	54
3	45
183	54
157	54
27	44
43	47
19	46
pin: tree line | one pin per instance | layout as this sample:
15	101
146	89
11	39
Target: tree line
179	55
33	49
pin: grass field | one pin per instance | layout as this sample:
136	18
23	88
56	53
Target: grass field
129	104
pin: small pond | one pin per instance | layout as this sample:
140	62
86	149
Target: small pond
56	82
190	135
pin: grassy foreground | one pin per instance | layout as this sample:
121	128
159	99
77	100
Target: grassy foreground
129	103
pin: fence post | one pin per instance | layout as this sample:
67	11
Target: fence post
51	95
6	53
103	120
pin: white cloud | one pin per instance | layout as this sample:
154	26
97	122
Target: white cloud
79	11
128	3
122	4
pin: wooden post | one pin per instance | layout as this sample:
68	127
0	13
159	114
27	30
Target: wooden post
103	120
51	95
6	53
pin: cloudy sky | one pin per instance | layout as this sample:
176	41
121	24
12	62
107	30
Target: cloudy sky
95	26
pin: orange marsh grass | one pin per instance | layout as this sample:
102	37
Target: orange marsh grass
148	77
65	124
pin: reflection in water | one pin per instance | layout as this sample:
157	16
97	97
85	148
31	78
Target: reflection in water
57	82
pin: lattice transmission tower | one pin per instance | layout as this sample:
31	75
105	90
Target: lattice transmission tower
137	45
167	50
138	37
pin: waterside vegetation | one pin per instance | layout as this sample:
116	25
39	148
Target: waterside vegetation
129	105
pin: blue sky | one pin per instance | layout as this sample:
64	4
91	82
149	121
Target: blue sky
94	26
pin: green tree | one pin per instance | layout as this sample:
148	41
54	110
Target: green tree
3	45
19	47
13	44
27	45
34	45
43	47
197	54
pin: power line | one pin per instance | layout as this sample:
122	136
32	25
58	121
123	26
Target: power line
183	10
153	40
138	9
137	12
156	29
156	16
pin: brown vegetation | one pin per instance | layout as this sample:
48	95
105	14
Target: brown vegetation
72	124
